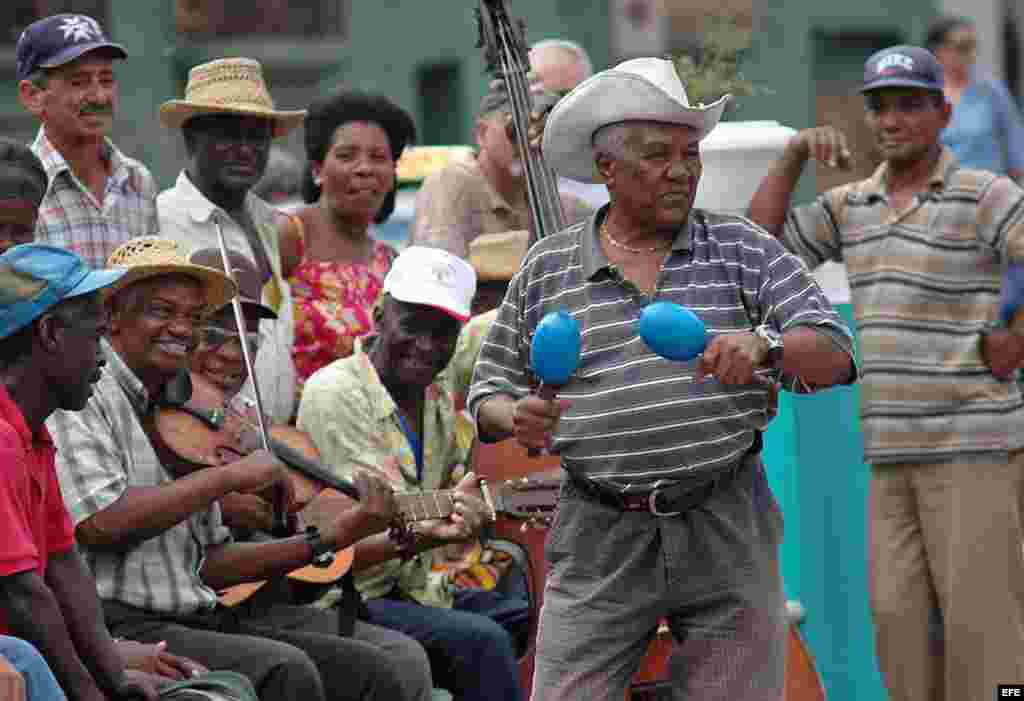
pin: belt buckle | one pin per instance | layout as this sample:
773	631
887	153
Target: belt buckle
652	505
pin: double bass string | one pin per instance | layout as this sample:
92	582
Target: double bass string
545	204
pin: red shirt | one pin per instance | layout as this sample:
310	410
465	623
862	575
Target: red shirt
33	520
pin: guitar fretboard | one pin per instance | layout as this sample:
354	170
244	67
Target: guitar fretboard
425	506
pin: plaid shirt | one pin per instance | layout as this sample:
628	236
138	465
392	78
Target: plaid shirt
70	216
925	284
101	452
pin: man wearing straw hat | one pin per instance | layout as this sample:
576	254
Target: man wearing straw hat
155	540
665	511
98	198
228	121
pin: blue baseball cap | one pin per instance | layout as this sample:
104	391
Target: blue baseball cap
59	39
902	67
34	278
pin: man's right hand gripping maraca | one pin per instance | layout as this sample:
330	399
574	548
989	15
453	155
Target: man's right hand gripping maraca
534	420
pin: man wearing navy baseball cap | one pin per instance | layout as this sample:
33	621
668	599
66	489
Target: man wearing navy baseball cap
98	198
926	243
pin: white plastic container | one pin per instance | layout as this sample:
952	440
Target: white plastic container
736	156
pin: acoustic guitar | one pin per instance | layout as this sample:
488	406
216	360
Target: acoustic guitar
525	499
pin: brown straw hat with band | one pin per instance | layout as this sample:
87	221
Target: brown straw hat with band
151	256
228	86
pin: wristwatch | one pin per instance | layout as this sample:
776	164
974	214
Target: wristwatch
773	339
323	555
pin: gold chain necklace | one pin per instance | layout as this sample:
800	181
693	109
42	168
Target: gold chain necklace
630	249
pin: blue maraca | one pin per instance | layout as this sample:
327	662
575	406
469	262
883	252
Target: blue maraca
555	350
673	331
554	353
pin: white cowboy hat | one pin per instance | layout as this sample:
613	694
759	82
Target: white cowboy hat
228	86
641	89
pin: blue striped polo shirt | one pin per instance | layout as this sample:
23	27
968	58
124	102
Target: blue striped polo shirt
636	420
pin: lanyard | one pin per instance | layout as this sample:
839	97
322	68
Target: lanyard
415	443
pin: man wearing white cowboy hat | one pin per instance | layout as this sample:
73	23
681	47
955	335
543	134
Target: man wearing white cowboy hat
155	539
665	510
228	121
97	198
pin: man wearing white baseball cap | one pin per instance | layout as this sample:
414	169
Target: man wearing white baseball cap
388	407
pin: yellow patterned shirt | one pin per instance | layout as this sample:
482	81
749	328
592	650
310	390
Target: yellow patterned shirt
354	422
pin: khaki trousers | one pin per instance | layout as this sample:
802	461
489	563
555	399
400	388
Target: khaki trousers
948	534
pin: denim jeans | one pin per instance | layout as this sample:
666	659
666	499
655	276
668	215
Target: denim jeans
471	646
40	683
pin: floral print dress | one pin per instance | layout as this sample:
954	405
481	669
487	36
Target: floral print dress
333	305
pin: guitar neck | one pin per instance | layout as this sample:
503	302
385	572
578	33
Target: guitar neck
425	506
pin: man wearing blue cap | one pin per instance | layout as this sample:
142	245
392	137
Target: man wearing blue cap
98	198
51	323
926	243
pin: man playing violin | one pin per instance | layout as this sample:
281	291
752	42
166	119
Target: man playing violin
390	408
156	541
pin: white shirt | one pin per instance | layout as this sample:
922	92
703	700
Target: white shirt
189	218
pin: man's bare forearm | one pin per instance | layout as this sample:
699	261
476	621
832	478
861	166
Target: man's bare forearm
771	202
815	358
75	591
34	614
145	512
495	418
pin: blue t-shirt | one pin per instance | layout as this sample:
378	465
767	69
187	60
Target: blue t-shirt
987	129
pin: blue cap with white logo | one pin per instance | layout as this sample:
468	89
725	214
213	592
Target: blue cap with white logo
902	67
59	39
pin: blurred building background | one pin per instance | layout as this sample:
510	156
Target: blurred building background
808	53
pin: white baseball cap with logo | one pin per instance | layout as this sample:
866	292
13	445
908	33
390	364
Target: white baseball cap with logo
434	277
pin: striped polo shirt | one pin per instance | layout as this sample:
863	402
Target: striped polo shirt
924	284
636	420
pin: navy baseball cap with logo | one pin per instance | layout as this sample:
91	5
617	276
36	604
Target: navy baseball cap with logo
59	39
902	67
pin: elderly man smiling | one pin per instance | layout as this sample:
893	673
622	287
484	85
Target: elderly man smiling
665	510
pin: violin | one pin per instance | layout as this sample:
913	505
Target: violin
194	427
197	427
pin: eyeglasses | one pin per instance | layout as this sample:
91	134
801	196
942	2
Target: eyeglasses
215	337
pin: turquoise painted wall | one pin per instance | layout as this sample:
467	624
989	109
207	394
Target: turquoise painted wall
813	457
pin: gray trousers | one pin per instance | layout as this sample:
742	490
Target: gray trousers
712	572
290	653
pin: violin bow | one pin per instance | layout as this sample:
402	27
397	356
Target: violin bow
281	527
507	58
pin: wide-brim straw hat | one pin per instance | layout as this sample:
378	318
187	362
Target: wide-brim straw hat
498	257
152	256
228	86
641	89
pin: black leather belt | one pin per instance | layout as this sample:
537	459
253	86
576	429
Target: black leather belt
665	501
